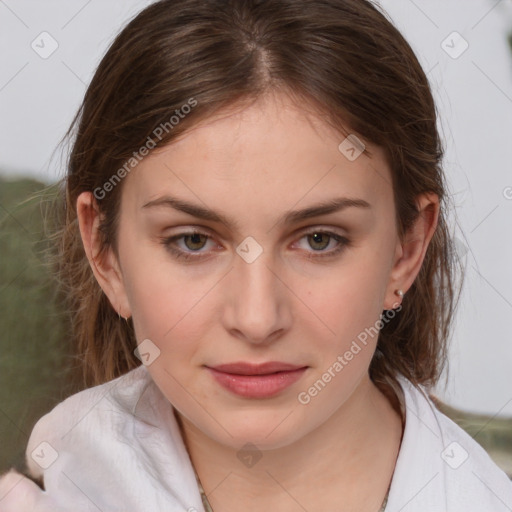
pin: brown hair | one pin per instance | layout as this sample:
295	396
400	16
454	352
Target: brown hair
343	56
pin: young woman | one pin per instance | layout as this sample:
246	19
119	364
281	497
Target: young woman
260	273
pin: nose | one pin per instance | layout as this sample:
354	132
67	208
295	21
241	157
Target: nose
258	309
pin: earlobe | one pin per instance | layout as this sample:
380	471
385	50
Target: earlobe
102	260
411	251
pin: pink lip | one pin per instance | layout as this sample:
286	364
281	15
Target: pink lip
257	380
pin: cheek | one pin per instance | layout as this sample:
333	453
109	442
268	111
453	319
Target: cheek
166	309
349	299
162	299
349	305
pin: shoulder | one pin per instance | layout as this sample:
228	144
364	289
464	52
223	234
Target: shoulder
59	428
78	412
440	467
121	437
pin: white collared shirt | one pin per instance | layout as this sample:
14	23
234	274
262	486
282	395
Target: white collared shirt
117	448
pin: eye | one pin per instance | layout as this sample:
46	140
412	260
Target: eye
319	240
195	241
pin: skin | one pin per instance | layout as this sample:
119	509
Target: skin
254	165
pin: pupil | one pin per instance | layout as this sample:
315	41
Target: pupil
195	239
317	238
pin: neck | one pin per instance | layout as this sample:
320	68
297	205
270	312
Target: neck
350	459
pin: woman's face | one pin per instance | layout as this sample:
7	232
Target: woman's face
267	278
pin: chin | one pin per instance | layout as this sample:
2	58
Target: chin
265	432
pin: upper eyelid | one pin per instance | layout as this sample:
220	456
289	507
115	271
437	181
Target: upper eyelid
203	230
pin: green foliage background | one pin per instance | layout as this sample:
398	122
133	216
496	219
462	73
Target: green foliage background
35	364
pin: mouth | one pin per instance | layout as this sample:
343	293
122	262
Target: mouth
256	380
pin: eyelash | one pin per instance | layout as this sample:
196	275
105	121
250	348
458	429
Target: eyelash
186	256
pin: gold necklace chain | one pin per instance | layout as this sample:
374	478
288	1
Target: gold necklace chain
208	507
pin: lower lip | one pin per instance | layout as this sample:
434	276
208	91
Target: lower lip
257	386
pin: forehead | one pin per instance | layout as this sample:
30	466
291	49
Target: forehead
269	155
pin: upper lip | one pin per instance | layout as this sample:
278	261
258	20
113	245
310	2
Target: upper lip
242	368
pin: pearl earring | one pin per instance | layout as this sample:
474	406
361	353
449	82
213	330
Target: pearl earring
400	293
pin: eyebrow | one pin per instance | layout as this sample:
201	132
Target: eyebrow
324	208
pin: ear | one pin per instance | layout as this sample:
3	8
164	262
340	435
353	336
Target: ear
104	264
411	251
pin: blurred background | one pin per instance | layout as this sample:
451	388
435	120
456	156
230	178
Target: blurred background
49	53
